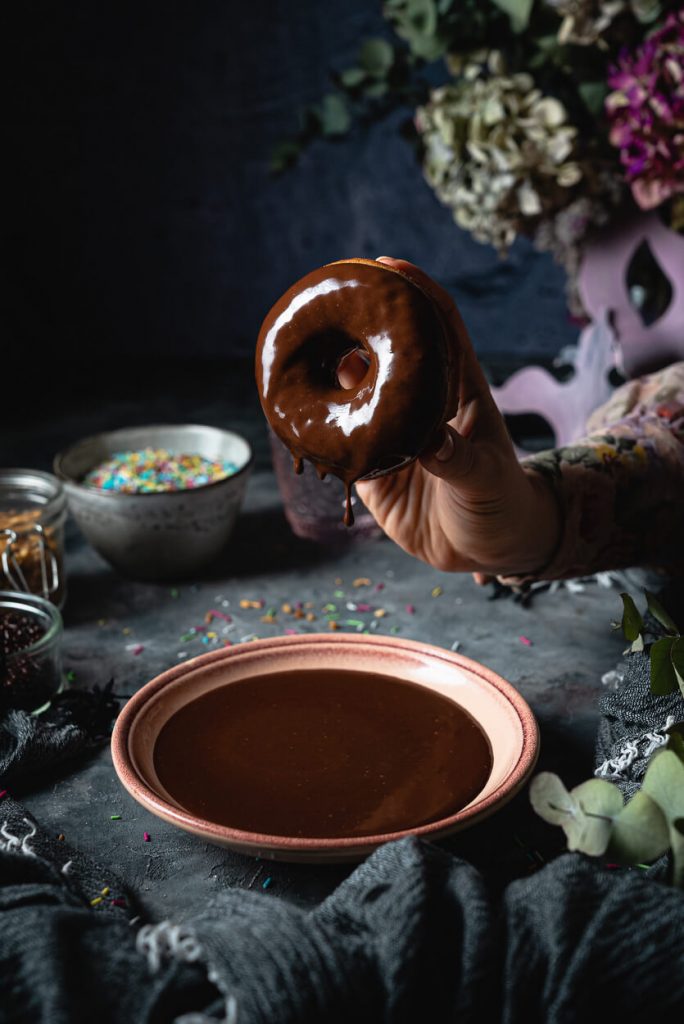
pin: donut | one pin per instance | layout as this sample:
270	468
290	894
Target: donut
408	392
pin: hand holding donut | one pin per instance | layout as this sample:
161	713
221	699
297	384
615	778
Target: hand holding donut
467	505
365	368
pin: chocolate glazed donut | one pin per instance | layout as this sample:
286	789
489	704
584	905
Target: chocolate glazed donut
408	392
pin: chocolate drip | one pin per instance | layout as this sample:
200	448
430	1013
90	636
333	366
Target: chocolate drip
390	417
298	465
348	510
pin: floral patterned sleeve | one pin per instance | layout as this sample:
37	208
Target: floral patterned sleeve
621	488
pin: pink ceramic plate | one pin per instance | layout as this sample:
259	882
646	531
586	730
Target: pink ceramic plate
498	708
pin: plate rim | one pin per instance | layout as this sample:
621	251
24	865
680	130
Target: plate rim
139	788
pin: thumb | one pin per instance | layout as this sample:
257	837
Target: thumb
451	458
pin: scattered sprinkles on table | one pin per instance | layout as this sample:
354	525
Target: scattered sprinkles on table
153	470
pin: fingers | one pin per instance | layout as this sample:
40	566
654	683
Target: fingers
475	402
451	459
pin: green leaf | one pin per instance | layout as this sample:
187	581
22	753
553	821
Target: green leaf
640	831
663	675
518	11
664	783
600	802
658	612
677	659
632	623
677	844
550	799
376	89
284	156
352	77
676	739
593	95
334	115
376	56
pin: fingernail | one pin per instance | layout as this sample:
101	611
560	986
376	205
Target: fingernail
446	449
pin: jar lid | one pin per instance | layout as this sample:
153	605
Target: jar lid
31	488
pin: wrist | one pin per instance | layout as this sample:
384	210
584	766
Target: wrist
542	525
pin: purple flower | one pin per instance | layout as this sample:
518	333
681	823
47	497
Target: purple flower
646	113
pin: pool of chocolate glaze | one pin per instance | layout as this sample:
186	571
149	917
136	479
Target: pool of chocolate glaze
322	754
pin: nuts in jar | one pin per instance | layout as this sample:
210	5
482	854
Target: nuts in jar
32	516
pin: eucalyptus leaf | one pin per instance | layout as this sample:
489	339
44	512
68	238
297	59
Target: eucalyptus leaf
518	11
677	659
658	612
677	844
376	56
664	783
334	115
640	831
632	623
551	800
593	95
663	676
284	155
352	77
590	831
675	740
376	89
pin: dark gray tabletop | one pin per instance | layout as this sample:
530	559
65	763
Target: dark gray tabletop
107	619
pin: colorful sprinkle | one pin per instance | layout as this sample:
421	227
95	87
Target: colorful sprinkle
115	817
105	891
525	640
3	792
436	592
379	613
266	882
333	625
71	676
410	609
146	837
361	581
363	607
155	470
94	902
117	903
61	837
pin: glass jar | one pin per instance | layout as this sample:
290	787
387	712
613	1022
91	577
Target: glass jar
30	651
32	517
315	508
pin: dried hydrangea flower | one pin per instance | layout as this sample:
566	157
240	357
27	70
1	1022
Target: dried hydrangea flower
497	151
646	112
585	21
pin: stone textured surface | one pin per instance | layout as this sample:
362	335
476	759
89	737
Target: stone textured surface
559	674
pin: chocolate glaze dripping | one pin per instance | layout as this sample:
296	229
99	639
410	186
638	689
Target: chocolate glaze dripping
348	511
386	421
298	465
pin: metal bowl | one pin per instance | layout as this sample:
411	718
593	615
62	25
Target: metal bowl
157	536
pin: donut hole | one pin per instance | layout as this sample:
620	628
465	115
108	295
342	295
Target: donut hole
352	368
325	355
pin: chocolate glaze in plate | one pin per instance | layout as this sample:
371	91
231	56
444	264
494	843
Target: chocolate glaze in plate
153	722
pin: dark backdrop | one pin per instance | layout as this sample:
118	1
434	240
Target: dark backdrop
141	220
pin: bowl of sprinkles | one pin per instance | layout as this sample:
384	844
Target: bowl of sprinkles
157	502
